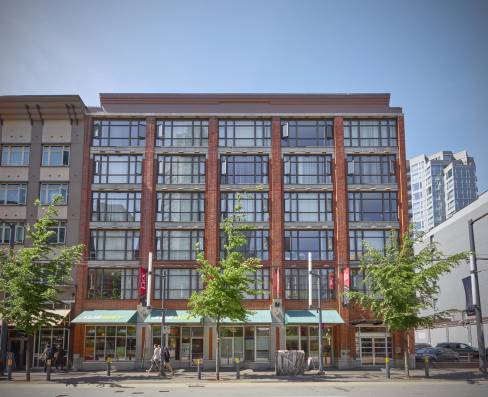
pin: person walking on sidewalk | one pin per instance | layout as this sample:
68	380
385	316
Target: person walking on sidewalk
47	354
59	361
166	357
156	358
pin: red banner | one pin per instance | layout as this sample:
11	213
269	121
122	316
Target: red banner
331	282
346	277
142	282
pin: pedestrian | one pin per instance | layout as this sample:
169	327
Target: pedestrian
156	357
166	358
47	354
59	360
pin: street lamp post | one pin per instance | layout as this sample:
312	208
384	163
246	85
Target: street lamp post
319	309
476	294
163	321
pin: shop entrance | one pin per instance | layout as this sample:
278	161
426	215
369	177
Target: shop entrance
371	344
306	338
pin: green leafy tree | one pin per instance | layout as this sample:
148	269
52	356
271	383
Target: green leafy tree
32	278
226	282
401	283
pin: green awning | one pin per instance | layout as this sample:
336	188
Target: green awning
106	317
312	317
172	317
254	317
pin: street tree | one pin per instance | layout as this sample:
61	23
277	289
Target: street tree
227	281
401	284
31	278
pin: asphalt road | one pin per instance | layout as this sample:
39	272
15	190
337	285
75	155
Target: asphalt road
233	389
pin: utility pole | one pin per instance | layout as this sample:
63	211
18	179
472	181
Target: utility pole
476	294
319	309
163	320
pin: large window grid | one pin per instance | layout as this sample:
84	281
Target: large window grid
245	133
370	133
178	244
5	233
307	133
179	283
113	283
296	284
59	236
114	245
55	156
244	170
257	245
371	169
181	170
13	193
115	342
369	206
377	239
260	284
298	243
254	205
358	280
117	169
15	156
182	133
116	206
308	170
308	207
119	133
180	207
50	190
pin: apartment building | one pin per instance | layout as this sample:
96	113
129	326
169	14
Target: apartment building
317	173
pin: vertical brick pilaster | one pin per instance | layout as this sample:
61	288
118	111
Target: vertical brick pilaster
276	212
402	177
212	187
341	227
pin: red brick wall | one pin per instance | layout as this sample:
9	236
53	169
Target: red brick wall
212	186
402	177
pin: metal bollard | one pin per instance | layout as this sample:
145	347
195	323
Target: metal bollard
387	361
199	369
426	366
9	366
238	369
109	365
48	369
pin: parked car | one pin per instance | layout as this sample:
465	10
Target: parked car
436	354
462	349
422	345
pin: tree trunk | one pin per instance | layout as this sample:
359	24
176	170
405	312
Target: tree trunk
217	353
28	357
405	354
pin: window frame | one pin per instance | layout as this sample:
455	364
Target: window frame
255	205
7	155
126	292
389	207
21	192
294	290
229	135
386	134
47	188
257	238
101	168
19	231
195	282
324	134
199	133
167	162
164	239
131	253
357	236
259	175
292	200
47	153
326	244
197	207
357	167
102	131
322	175
132	200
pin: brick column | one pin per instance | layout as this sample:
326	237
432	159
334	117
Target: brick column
276	212
212	193
402	177
341	230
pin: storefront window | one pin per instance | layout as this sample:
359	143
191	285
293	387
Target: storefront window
116	342
306	338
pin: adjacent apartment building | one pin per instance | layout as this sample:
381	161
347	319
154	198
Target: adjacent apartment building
440	185
153	174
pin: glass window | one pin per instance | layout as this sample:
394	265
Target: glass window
119	133
114	244
5	233
181	170
59	236
247	133
371	169
178	244
180	207
370	133
15	156
113	283
254	205
377	239
308	170
298	243
178	283
55	156
308	207
182	133
13	193
244	170
50	190
260	284
381	206
357	280
116	206
257	245
117	168
296	283
306	133
104	341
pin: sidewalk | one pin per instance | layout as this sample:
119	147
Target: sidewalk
190	377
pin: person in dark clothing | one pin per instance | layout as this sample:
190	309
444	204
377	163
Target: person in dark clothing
47	354
59	357
166	357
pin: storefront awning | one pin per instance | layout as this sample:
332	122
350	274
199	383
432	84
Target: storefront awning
172	317
106	317
312	317
60	312
253	317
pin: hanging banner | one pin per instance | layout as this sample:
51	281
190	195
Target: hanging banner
468	292
142	284
346	277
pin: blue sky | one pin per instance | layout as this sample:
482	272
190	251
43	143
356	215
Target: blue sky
431	55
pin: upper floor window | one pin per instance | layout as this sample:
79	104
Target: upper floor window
59	235
116	206
260	284
305	170
117	168
180	207
305	133
51	190
366	169
370	133
114	245
254	205
55	156
298	243
296	284
308	207
377	239
178	283
178	244
244	170
248	133
372	206
182	133
5	233
13	193
257	244
119	133
113	283
181	169
15	156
